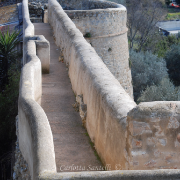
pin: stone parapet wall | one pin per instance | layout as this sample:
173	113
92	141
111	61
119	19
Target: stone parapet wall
116	175
154	136
35	136
106	100
100	22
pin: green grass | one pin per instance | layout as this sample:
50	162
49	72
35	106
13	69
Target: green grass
173	16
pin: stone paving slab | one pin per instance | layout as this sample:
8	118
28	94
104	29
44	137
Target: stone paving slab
71	143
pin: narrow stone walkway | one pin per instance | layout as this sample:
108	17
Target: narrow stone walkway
72	147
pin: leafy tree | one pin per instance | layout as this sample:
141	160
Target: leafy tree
160	44
163	45
9	87
172	58
8	112
167	2
142	18
178	2
147	69
8	54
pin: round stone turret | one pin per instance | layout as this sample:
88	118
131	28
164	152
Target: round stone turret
103	24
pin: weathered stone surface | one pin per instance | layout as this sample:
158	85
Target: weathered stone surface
154	136
36	10
21	170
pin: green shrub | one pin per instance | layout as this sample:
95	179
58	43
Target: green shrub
165	91
87	35
167	2
164	45
8	111
147	69
160	44
8	54
172	58
173	16
9	88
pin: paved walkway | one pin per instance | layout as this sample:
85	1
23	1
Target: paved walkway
72	147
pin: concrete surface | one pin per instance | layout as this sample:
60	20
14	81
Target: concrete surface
169	25
173	27
72	147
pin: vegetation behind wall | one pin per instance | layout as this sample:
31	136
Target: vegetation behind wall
9	87
154	78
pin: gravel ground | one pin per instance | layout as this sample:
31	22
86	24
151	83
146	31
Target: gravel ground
8	14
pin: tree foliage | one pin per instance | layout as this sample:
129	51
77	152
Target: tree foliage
147	69
8	54
9	88
8	112
164	91
167	2
163	44
178	2
142	18
172	58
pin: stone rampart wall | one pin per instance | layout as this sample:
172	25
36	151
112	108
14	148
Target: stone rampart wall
106	100
35	136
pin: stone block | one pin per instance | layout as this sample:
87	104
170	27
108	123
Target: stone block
154	136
